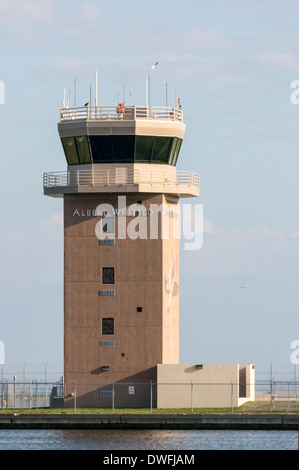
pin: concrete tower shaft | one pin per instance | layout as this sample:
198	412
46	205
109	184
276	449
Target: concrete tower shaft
121	193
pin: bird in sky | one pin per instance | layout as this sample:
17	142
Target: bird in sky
154	66
86	104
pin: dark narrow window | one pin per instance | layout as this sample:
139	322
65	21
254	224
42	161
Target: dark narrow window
176	152
83	149
172	151
108	275
70	150
107	326
139	309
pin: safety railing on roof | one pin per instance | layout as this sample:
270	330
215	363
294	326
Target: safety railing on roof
120	112
117	176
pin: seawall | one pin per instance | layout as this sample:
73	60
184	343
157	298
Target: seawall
150	421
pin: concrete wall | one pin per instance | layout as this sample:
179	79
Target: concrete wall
201	386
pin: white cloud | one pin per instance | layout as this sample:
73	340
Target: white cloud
208	227
284	62
65	65
91	12
19	13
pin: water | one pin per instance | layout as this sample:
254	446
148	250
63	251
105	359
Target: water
147	440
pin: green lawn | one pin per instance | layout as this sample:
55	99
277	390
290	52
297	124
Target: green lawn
250	407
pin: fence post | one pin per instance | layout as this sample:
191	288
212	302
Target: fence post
14	391
113	397
3	386
37	395
192	397
24	377
151	396
46	387
2	395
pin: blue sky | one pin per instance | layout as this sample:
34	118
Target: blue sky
232	64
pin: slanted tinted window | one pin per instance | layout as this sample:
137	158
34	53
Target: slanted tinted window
143	148
83	149
101	148
112	148
107	326
123	148
108	276
177	151
70	150
161	150
172	150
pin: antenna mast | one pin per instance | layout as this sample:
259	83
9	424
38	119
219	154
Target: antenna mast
75	92
96	94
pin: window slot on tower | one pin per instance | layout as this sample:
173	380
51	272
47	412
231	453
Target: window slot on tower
139	309
108	276
107	326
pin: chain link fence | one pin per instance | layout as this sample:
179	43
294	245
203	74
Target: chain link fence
33	386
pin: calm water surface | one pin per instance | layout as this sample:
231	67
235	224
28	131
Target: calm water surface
147	440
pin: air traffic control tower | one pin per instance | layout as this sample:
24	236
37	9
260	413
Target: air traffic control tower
121	193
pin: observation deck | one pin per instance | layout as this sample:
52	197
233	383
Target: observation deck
122	179
121	149
108	113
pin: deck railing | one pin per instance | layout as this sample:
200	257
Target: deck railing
115	113
120	176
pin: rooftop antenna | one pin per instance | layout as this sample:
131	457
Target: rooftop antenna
96	94
69	98
146	91
63	103
166	95
75	92
147	86
89	95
